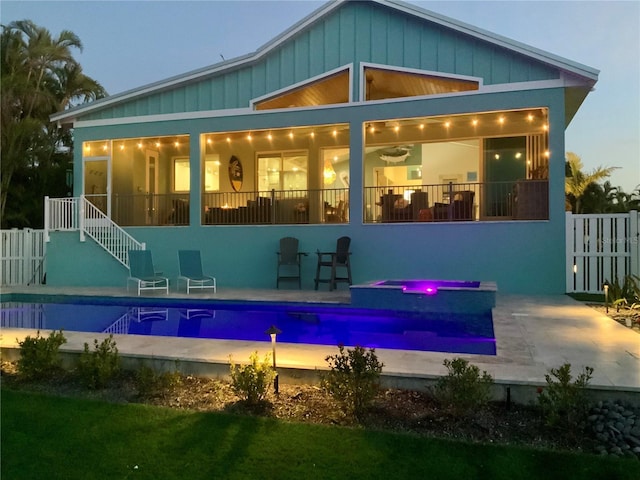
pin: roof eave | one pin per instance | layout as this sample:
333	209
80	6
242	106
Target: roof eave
588	74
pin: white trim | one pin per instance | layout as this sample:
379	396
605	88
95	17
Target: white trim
296	86
531	52
166	117
415	71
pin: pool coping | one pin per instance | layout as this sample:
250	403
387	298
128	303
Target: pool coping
533	334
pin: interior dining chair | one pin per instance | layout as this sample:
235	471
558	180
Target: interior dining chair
142	273
289	261
335	260
191	273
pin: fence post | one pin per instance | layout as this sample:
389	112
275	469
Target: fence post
569	242
46	218
634	240
81	217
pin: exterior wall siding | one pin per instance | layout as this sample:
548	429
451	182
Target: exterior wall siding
383	36
509	253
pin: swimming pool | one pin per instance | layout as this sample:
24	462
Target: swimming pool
300	323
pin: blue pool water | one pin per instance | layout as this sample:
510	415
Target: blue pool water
300	323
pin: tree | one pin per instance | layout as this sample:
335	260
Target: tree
577	182
39	77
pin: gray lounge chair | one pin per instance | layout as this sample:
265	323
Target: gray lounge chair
142	273
191	271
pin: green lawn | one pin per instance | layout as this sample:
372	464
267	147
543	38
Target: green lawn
46	437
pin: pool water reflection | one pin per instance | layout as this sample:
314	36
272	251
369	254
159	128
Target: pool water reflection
318	325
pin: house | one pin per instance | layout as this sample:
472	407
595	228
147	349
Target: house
436	146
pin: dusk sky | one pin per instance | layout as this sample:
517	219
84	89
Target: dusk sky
129	44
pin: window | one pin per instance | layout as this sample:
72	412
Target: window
382	83
282	171
331	89
212	173
181	174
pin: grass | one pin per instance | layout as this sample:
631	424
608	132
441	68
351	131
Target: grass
66	438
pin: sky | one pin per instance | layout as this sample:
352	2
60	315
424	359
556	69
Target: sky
128	44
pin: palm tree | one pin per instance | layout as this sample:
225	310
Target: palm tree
577	181
39	76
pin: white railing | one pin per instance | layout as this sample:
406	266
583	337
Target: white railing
22	257
70	214
601	247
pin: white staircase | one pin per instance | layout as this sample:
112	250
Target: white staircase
79	214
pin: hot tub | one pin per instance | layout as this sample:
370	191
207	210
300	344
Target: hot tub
415	295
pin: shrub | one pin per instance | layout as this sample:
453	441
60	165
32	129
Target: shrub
97	368
151	382
251	382
627	294
564	403
463	389
353	378
39	356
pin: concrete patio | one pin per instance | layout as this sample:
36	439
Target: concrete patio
533	334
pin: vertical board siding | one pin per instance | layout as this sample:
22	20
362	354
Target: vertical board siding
317	65
354	33
347	35
601	248
302	58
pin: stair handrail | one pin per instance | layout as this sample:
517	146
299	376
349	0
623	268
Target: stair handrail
106	233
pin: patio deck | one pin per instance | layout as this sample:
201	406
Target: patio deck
533	334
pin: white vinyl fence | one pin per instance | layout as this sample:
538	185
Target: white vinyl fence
23	257
601	247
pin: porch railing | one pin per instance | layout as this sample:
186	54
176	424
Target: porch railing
276	207
513	200
82	215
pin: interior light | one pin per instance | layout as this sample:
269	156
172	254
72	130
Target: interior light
422	126
105	148
140	145
518	154
530	117
177	144
545	127
249	137
335	158
372	129
335	132
313	134
329	173
501	120
497	156
447	124
228	139
122	147
209	141
270	137
291	135
158	144
474	122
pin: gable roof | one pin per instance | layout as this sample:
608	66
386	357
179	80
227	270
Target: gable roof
583	75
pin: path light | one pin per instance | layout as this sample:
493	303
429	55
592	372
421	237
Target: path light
606	296
273	332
